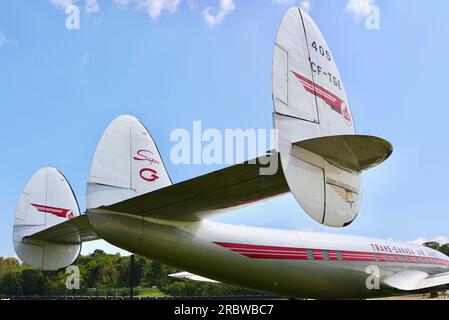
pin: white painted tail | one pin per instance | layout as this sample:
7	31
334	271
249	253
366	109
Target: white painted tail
311	106
126	164
46	201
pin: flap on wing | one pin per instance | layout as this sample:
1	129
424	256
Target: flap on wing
416	280
210	194
73	231
191	276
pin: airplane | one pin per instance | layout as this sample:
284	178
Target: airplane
132	203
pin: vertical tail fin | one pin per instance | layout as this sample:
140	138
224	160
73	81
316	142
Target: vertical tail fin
47	200
321	156
126	164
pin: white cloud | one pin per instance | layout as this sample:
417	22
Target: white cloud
62	4
226	7
154	8
192	4
2	39
91	6
121	3
439	239
305	5
360	8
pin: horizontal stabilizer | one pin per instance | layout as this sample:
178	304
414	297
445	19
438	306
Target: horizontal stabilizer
213	193
73	231
351	152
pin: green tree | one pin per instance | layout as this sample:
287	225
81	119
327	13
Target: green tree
444	249
34	282
10	283
433	245
107	272
157	275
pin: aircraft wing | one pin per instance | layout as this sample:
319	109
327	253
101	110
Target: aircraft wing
190	276
210	194
417	280
73	231
191	200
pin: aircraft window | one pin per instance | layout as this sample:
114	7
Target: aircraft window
325	255
339	255
310	255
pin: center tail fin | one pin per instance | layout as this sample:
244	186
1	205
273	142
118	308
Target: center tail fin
126	164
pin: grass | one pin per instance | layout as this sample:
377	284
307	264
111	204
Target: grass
151	293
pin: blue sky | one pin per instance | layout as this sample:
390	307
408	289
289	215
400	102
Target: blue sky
180	62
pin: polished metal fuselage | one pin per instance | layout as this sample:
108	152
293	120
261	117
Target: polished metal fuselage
206	248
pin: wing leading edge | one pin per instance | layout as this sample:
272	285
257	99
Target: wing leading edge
190	276
191	200
210	194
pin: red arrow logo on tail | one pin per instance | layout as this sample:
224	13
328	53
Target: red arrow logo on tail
331	99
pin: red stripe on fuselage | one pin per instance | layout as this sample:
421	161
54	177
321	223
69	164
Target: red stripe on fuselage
247	246
289	253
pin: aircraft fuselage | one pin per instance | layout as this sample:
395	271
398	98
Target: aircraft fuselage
289	263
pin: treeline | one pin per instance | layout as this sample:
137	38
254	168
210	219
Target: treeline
436	246
107	273
104	273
